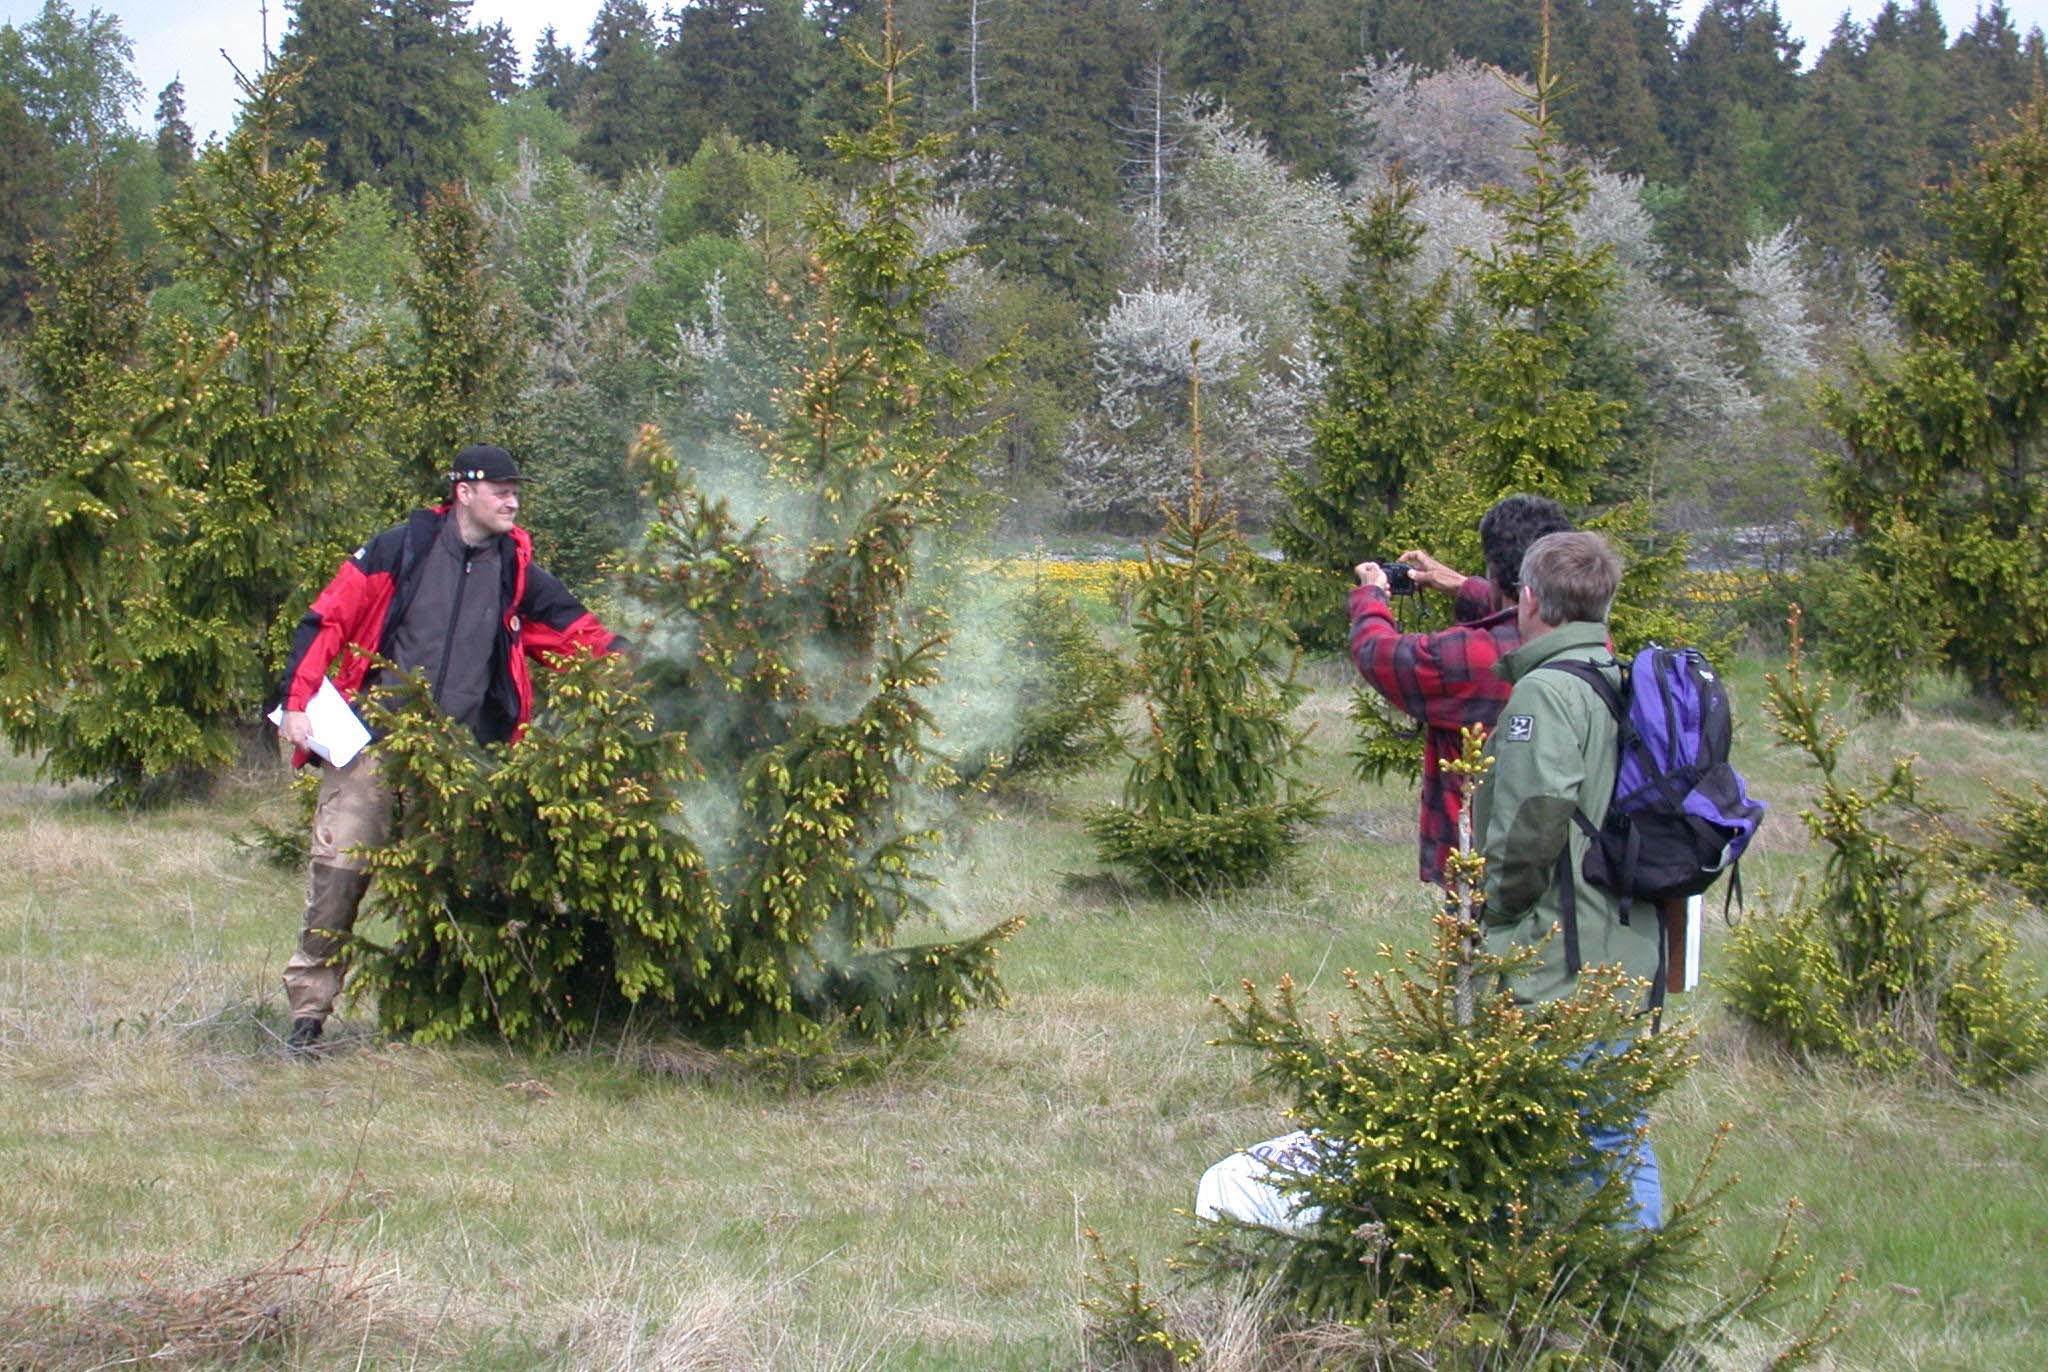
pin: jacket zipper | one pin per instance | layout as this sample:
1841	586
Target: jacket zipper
454	623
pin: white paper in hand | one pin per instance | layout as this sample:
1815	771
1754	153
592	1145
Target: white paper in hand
337	734
1695	926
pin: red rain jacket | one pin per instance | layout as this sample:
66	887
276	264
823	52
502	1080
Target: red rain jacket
352	618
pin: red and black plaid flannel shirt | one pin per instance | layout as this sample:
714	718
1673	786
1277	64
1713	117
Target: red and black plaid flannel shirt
1444	679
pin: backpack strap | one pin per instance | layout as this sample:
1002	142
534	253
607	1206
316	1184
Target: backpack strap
1655	1003
1568	896
1631	852
1567	889
1590	673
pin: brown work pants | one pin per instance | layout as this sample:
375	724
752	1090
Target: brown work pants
353	812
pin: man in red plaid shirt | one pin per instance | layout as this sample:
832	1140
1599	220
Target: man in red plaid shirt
1446	679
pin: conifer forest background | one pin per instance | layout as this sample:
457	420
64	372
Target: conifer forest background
1131	174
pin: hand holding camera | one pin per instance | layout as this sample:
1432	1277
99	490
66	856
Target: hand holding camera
1394	578
1427	571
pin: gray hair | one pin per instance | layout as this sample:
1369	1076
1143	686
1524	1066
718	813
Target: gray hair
1572	576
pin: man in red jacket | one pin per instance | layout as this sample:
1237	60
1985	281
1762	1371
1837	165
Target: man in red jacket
452	593
1446	679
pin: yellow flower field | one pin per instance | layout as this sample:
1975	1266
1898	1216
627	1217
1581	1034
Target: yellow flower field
1107	581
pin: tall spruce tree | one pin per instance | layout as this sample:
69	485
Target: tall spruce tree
835	80
436	89
1823	164
761	875
1384	405
1431	32
1738	75
1900	152
1046	189
391	88
1276	67
271	467
501	60
337	99
174	147
735	64
86	489
458	376
1943	473
30	180
1537	428
1615	109
1984	75
620	81
555	72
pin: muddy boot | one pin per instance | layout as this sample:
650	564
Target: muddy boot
313	977
304	1040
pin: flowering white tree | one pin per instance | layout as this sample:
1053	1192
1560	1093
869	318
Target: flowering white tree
575	252
1142	359
1614	214
1248	232
1771	301
1458	231
1131	452
1247	440
1689	387
1872	326
1452	125
1243	240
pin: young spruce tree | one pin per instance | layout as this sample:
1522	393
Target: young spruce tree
1457	1213
745	885
1891	958
1212	798
1459	1216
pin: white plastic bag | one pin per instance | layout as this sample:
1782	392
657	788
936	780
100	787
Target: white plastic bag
1245	1186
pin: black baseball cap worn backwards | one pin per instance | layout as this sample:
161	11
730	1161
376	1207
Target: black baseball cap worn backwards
485	462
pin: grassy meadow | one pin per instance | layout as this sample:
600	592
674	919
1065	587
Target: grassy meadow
170	1184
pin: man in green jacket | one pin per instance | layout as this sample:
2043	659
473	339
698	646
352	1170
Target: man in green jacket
1554	751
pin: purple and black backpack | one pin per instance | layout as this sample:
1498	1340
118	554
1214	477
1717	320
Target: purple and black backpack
1680	816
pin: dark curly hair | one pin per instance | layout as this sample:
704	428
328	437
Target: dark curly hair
1507	531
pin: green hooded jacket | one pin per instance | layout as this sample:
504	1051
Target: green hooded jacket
1554	752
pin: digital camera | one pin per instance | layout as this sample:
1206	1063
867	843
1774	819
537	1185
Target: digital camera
1400	577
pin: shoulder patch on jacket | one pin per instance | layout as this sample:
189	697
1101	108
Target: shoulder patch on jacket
1519	728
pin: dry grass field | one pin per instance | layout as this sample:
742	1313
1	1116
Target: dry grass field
173	1192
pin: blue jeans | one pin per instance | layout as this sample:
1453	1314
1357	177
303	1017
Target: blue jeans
1622	1148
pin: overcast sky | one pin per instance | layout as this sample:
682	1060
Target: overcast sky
185	38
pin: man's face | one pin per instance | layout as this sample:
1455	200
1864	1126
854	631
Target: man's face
493	506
